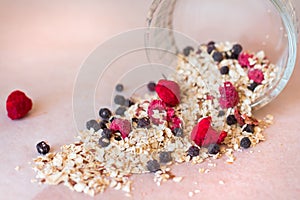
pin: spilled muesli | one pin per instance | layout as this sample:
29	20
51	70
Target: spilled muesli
201	111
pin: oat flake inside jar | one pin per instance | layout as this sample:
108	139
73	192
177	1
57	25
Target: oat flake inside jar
258	25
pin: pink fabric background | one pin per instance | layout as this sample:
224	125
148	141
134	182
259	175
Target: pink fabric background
42	45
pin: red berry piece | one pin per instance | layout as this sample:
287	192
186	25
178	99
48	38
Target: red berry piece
174	123
256	75
204	135
240	120
18	105
168	92
222	136
121	125
229	96
244	59
199	131
158	105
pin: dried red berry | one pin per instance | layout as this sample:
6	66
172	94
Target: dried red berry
158	105
168	91
204	135
244	59
18	105
256	75
174	123
122	125
228	96
238	117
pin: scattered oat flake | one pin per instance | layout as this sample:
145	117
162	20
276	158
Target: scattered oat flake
221	182
17	168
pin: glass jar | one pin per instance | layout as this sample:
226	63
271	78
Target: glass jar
268	25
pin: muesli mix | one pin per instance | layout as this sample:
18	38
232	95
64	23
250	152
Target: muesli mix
201	111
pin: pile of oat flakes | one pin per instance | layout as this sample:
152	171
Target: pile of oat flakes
85	166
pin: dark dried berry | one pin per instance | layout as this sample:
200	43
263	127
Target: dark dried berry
105	113
42	147
153	166
245	143
224	70
119	99
104	142
103	124
249	128
221	113
230	120
135	120
211	43
178	132
118	138
213	149
198	51
217	56
187	50
252	86
93	124
119	87
165	157
193	151
151	86
143	122
107	133
120	111
210	48
236	50
128	103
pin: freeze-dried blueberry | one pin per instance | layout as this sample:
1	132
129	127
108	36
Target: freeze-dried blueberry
211	43
128	103
103	124
210	48
221	113
105	113
236	50
143	122
230	120
119	87
93	124
252	86
217	56
187	50
213	149
224	70
153	166
42	147
120	111
119	99
249	128
151	86
165	157
135	120
107	133
245	143
178	132
104	142
118	137
193	151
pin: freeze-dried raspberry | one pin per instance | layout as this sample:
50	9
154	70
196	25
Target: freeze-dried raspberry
174	123
18	105
244	59
122	125
170	113
204	135
158	105
228	96
222	136
168	91
256	75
